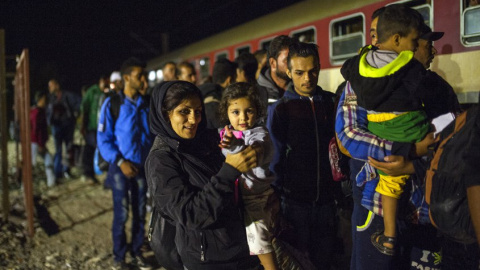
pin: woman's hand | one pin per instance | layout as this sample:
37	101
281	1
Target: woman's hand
393	165
244	160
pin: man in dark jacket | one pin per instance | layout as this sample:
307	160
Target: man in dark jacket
301	126
224	72
91	103
274	78
62	112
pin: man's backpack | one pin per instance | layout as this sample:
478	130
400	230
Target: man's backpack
450	169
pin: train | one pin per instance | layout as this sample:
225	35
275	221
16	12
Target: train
340	28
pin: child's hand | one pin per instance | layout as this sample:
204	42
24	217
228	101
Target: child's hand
227	139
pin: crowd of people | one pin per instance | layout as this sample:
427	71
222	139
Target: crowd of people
240	165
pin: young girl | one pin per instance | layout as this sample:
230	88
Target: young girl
242	110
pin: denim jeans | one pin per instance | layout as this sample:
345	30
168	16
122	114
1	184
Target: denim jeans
61	135
417	245
126	192
314	227
364	255
48	162
89	152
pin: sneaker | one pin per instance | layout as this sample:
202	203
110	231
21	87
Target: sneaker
67	175
141	263
121	265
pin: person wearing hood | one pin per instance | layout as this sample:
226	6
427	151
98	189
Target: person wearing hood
193	185
301	127
274	78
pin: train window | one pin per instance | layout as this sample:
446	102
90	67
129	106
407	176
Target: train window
221	55
347	36
470	24
307	35
204	67
423	7
426	11
243	49
264	44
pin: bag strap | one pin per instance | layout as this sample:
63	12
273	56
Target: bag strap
115	102
459	123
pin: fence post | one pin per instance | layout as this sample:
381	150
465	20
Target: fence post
22	109
3	128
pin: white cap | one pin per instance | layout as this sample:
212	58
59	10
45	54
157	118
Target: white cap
115	76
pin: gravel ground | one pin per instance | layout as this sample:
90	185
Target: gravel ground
72	226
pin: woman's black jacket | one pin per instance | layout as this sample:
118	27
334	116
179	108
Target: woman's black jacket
196	192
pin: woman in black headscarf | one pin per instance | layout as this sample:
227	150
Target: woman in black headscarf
192	185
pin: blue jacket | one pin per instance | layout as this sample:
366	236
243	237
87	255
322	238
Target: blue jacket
128	136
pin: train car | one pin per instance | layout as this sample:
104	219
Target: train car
340	28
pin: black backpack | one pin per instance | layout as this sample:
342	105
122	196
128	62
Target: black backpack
115	102
451	168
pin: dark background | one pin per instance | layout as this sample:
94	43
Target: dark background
77	41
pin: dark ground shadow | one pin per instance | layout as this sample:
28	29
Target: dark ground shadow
44	219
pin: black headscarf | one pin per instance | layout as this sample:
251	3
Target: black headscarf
160	126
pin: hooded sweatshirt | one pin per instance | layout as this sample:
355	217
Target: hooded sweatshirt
266	82
301	129
387	82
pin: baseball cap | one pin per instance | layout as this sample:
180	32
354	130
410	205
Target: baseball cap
427	33
115	76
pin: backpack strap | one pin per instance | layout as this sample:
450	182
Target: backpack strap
115	102
459	123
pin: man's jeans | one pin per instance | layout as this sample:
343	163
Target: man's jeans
126	192
314	228
61	135
89	152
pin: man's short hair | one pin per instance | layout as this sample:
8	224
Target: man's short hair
184	64
248	63
169	63
222	69
130	63
259	54
377	12
277	45
397	19
302	49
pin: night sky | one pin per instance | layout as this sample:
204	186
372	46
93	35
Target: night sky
77	41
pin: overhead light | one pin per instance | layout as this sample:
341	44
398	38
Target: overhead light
159	74
151	75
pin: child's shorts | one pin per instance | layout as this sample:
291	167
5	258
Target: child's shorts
391	186
259	222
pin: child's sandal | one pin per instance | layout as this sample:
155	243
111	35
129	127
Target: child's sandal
382	239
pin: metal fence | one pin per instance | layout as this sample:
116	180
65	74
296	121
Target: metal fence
22	115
